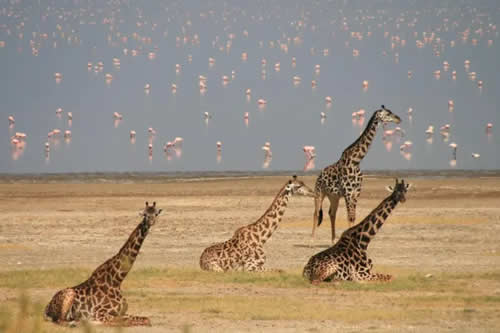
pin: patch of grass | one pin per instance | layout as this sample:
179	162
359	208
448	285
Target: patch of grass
24	317
404	280
61	278
292	279
244	307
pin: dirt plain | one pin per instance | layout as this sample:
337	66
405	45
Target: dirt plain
442	246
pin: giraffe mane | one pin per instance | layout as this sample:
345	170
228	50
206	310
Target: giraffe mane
368	125
272	203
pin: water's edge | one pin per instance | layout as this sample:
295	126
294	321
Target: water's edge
164	177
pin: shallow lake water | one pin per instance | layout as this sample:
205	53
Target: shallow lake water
351	43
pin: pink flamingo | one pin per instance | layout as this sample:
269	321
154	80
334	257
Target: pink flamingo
150	153
430	130
59	112
108	78
454	146
268	155
219	151
167	148
58	77
406	146
67	136
365	85
117	118
11	122
132	136
405	150
246	118
388	145
310	154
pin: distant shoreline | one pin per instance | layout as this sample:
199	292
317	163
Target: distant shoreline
163	177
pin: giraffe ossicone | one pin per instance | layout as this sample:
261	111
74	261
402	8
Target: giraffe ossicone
344	177
98	300
347	260
245	250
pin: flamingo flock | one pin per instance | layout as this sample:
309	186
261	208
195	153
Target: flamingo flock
224	59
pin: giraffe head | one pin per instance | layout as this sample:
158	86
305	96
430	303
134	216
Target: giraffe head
150	213
399	190
295	186
386	115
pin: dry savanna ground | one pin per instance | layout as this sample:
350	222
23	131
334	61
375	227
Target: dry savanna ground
442	246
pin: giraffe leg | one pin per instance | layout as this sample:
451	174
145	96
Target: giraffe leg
381	277
321	273
318	202
58	308
106	319
350	203
332	212
254	262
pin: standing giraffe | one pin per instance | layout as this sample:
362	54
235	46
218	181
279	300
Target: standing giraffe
99	299
245	250
343	178
347	259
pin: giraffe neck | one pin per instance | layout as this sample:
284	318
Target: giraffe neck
114	271
264	227
368	228
358	149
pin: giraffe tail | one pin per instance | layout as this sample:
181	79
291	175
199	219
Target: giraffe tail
320	216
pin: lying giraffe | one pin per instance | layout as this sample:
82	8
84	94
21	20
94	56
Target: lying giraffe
343	178
99	299
347	259
245	250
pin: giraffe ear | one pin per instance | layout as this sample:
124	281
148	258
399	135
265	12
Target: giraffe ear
389	188
154	203
294	177
147	204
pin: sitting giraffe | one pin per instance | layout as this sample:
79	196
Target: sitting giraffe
347	259
245	250
343	178
99	299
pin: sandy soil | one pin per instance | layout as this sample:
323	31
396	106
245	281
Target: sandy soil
447	225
